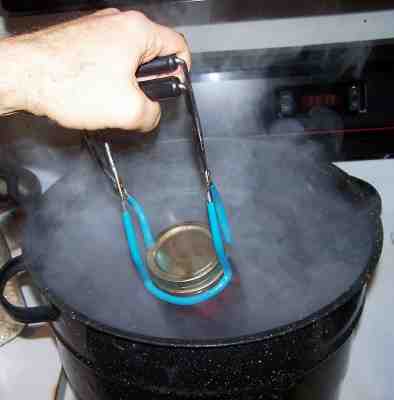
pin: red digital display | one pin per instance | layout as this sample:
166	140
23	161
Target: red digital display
327	100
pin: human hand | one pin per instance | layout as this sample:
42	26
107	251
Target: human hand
82	73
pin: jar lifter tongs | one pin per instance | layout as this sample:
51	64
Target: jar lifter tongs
156	90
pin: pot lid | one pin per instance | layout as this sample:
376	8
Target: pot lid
304	235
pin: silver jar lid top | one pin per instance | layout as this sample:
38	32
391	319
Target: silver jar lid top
183	261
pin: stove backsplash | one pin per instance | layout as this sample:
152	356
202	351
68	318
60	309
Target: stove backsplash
237	94
176	12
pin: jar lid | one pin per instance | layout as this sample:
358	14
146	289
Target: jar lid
183	261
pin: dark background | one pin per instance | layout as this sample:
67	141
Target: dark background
197	11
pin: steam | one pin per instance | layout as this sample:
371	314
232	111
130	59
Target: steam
39	145
354	59
292	228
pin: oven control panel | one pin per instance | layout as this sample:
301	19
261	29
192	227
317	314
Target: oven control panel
345	98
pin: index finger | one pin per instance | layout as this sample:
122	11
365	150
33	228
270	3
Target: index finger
173	42
157	40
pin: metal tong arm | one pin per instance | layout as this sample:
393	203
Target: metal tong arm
115	174
127	199
197	126
164	88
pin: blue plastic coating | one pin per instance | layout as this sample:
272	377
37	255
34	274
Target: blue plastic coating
133	246
217	240
221	213
164	296
146	231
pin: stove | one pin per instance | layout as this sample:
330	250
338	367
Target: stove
30	367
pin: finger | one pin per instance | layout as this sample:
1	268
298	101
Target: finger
106	11
165	41
161	40
173	42
150	115
138	112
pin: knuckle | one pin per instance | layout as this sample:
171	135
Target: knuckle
134	22
105	12
113	10
137	15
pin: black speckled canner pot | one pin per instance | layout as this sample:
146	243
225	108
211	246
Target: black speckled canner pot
305	359
308	363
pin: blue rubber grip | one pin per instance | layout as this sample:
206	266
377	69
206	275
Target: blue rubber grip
221	213
162	295
143	221
133	245
217	240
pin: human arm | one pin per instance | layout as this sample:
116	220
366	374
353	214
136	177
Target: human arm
82	73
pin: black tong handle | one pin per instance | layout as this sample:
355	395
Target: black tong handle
165	88
160	65
161	88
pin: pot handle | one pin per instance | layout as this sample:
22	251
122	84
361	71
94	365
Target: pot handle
20	184
26	315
